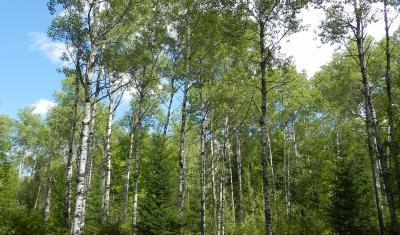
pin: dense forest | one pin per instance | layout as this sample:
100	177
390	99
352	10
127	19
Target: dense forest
224	135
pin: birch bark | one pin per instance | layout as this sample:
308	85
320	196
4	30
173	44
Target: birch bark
239	172
221	216
136	169
70	157
107	173
182	156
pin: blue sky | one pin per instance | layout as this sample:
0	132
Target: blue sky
28	74
29	59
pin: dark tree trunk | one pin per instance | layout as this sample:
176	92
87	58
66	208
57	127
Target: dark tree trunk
182	148
171	99
372	124
221	216
203	137
136	169
264	134
392	131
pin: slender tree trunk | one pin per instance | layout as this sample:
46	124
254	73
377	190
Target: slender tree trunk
286	157
384	168
296	149
271	160
264	133
136	169
47	194
378	169
372	131
171	99
107	173
39	189
70	157
221	218
375	178
392	131
47	199
37	199
182	148
21	164
289	186
338	148
239	172
128	169
231	179
371	119
203	137
250	188
213	185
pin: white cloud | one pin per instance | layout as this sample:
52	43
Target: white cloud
129	90
309	53
126	97
52	50
43	106
171	30
377	29
128	94
63	13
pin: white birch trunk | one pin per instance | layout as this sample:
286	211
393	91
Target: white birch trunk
37	199
70	158
231	180
128	172
21	164
376	182
271	160
182	148
221	219
171	99
203	178
213	187
107	173
79	215
47	200
239	172
84	171
136	170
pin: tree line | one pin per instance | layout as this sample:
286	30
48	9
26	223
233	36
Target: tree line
224	135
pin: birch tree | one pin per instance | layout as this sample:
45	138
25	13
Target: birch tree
274	21
394	148
342	24
86	33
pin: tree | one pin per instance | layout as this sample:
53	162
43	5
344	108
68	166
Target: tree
274	21
339	25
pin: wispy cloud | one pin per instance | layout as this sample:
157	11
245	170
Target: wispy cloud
52	50
43	106
307	50
129	94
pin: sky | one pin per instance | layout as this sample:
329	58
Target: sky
29	59
307	50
